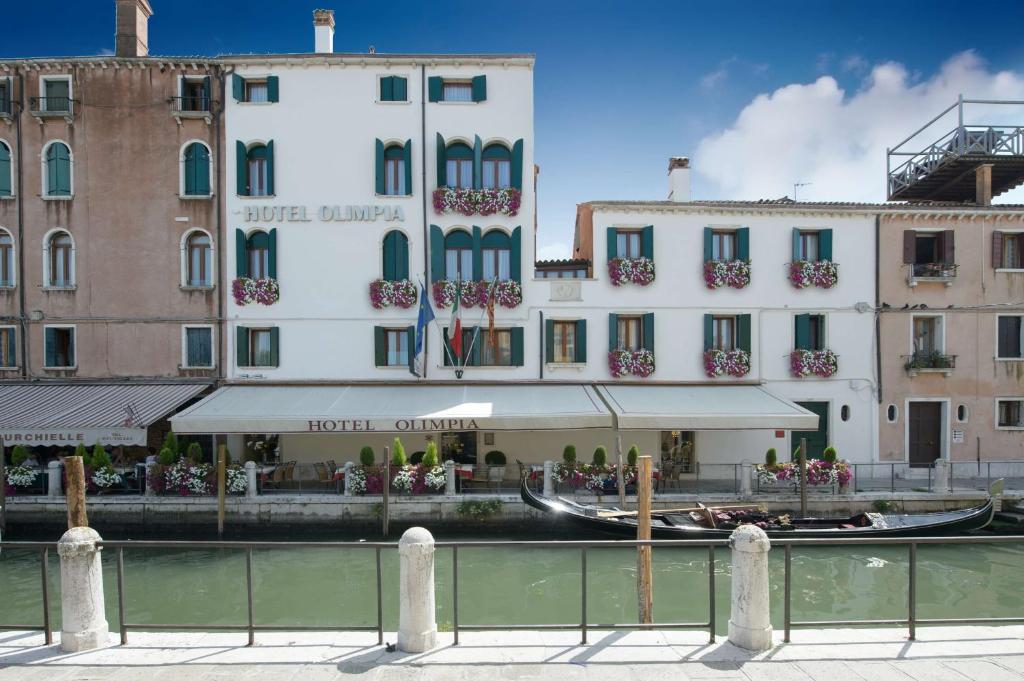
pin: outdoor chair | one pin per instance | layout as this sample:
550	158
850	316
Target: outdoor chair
331	466
480	478
275	479
495	476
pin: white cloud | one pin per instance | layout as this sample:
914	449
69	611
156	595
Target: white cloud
854	64
818	133
105	52
554	250
712	80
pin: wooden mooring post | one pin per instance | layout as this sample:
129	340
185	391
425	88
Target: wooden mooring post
221	491
621	473
75	468
803	477
3	489
644	579
385	512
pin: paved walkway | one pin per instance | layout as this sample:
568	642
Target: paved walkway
941	654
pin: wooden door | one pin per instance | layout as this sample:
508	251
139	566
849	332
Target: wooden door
925	436
817	440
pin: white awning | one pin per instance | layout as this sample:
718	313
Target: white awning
704	407
394	409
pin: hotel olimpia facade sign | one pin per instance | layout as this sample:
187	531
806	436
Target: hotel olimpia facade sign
270	214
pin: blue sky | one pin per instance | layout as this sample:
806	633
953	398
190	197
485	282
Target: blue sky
621	86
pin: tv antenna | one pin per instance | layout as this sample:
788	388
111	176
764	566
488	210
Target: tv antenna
797	185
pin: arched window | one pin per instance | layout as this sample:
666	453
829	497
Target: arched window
891	413
60	260
257	171
198	260
396	256
257	251
6	259
497	255
5	168
458	255
196	161
459	165
57	175
497	167
394	171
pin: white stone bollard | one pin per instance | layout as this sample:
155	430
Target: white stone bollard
417	622
149	470
549	478
54	472
83	614
746	473
348	478
449	478
750	624
941	476
250	479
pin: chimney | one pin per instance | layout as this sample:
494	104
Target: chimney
323	31
131	38
678	178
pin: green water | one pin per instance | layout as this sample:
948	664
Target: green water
337	587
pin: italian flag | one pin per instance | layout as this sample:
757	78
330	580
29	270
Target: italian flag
455	327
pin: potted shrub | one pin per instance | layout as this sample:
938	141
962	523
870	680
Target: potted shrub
771	458
366	455
430	459
632	455
495	461
600	457
103	474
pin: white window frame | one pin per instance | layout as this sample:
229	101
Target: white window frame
944	429
461	80
43	80
941	335
184	346
255	78
183	249
43	174
1016	232
73	270
74	344
181	172
14	261
995	350
13	329
14	175
995	416
408	93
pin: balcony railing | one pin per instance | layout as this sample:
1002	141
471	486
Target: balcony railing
192	105
931	271
929	362
52	106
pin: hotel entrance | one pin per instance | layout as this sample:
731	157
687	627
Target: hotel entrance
458	447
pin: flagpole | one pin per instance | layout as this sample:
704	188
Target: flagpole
483	311
433	320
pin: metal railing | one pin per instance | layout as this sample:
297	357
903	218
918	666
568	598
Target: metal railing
928	361
52	106
981	474
195	104
940	271
43	548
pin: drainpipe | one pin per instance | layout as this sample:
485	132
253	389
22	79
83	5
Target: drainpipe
878	308
23	318
222	75
423	174
541	353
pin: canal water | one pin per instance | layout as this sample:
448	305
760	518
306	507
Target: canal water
337	587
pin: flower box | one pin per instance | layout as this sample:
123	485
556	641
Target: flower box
507	293
821	273
731	273
819	473
726	363
247	291
636	362
504	201
412	479
21	477
385	293
823	363
639	271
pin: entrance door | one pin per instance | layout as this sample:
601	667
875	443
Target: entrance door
817	440
925	436
459	447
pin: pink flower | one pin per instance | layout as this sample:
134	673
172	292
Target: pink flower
731	273
385	293
639	271
821	273
824	363
726	363
504	201
262	291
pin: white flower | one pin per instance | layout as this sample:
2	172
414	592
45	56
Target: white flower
21	476
106	477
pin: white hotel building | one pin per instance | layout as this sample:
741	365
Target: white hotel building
334	162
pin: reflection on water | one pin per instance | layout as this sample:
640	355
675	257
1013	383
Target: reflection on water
337	587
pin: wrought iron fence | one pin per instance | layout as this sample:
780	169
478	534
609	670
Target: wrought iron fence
198	104
55	106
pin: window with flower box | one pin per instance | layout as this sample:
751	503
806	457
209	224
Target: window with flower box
812	245
8	358
565	341
809	332
392	345
726	257
257	347
727	343
393	169
630	255
255	267
495	170
631	344
811	356
395	256
466	256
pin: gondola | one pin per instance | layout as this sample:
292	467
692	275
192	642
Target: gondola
703	522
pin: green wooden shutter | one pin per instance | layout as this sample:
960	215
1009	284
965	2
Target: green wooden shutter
275	346
190	169
647	242
709	333
387	89
435	88
581	341
442	162
390	256
516	171
242	346
272	254
825	244
380	357
802	332
272	89
238	87
517	346
241	170
270	167
241	255
612	243
5	169
479	88
709	250
402	256
478	254
447	347
407	162
410	347
72	336
613	331
436	254
51	347
549	340
647	323
743	243
796	244
478	163
11	348
207	97
743	331
379	167
400	92
516	255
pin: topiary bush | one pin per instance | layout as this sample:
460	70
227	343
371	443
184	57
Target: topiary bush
600	456
100	459
81	451
167	457
632	455
771	458
171	443
829	454
569	454
494	458
366	455
19	455
430	456
398	454
194	453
